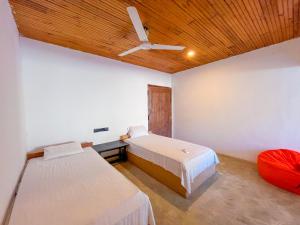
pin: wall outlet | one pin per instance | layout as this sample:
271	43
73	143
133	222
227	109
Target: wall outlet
101	129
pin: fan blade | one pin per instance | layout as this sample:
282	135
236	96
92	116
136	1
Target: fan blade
137	23
132	50
167	47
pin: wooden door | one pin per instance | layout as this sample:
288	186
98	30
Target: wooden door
160	110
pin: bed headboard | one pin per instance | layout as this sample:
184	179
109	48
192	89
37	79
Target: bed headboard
40	152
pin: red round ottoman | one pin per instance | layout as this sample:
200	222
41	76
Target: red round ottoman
281	167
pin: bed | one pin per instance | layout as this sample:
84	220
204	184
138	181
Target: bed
180	165
79	189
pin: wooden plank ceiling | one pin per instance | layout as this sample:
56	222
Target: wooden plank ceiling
214	29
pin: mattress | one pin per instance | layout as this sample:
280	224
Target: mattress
184	159
81	189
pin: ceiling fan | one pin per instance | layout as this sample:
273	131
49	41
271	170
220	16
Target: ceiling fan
142	33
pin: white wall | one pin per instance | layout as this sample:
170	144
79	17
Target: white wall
12	154
242	105
69	93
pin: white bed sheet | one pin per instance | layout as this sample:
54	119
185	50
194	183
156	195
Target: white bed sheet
81	189
184	159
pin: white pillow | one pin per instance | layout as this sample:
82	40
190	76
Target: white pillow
56	151
137	131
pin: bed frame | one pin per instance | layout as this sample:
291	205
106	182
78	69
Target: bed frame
167	178
40	151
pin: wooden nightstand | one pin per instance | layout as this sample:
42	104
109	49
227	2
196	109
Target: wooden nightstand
110	146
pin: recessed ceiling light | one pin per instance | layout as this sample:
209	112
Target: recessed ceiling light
190	53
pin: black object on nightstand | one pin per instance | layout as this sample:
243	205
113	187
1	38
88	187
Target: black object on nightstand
110	146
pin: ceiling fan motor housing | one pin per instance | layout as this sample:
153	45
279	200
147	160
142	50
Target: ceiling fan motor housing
146	45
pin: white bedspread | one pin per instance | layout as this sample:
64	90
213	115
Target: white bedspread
183	159
81	189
